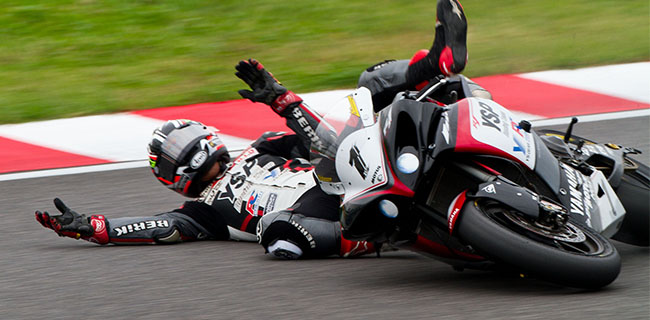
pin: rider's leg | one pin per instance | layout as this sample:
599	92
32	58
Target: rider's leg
308	229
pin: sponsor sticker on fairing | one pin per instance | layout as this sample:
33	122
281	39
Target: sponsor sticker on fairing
454	209
489	189
580	193
495	126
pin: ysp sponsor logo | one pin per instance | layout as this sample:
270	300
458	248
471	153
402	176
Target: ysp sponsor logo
141	226
489	116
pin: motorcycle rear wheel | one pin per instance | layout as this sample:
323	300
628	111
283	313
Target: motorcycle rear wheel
634	193
573	256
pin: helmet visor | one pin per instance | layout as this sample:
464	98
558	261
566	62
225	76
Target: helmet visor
180	142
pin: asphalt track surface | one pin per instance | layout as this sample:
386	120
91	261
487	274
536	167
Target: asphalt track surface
46	277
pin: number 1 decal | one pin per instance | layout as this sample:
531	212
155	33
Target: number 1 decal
357	162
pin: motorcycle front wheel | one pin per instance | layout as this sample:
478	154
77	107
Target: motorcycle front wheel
574	255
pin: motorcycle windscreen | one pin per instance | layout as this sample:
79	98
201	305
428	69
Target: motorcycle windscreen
350	114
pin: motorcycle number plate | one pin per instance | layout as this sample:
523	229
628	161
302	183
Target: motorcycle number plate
360	162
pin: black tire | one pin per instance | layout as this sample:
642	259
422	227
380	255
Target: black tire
489	227
634	193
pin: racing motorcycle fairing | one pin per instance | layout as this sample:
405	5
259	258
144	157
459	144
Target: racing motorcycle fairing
591	200
609	158
409	126
366	177
481	126
351	115
485	127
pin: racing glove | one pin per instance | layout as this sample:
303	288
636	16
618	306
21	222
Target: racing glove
74	225
265	87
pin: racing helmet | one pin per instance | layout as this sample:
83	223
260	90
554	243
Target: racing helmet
182	151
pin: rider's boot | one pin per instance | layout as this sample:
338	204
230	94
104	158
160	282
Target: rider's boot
448	54
351	248
287	235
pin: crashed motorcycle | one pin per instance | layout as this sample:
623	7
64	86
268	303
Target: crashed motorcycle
461	179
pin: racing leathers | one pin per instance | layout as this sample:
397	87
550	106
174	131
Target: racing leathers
270	180
447	57
387	78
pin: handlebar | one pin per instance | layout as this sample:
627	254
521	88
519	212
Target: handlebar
430	87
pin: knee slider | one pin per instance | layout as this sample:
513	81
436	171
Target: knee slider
173	237
315	237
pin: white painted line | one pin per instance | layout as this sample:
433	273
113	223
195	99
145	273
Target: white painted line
115	137
593	117
86	169
73	170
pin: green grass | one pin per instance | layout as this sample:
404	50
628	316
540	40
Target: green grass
61	58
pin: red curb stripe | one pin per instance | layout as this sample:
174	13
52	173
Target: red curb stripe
20	156
240	118
549	100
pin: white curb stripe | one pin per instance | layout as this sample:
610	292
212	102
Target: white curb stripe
628	81
116	138
73	170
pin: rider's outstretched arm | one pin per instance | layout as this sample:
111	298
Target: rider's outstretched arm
194	221
268	90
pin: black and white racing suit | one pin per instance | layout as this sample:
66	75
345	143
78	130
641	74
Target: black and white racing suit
269	178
